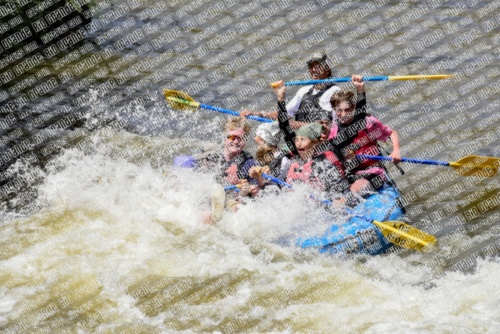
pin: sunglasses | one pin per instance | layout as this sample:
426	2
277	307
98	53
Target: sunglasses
233	137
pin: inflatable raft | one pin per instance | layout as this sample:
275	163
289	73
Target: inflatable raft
358	234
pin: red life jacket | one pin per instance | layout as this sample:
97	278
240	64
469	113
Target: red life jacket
355	139
306	172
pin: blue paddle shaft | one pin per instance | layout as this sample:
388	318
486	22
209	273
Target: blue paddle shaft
235	188
234	113
276	180
334	80
415	161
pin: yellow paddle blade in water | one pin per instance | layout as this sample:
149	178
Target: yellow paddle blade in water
180	100
477	165
406	236
218	199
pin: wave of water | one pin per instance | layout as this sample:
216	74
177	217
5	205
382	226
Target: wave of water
120	247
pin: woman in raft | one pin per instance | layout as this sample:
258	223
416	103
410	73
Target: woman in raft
357	132
272	159
314	162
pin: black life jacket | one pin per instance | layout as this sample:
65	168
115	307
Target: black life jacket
310	110
217	160
347	133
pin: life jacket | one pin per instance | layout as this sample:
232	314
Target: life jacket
276	165
312	171
238	167
356	139
232	170
310	110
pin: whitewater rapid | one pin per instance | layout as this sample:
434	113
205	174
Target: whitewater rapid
120	246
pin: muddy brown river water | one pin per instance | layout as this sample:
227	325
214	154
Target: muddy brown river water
99	234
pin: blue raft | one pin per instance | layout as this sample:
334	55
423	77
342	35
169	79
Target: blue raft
359	235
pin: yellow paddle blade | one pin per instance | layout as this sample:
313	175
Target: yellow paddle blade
476	165
180	100
420	77
218	199
406	236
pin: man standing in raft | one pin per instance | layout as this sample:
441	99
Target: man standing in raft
310	103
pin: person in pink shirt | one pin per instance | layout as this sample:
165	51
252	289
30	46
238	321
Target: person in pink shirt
357	132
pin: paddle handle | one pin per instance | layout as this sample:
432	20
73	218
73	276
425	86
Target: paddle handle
415	161
374	78
276	180
267	176
324	201
234	113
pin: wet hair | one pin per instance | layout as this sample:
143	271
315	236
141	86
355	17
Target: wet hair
237	123
338	98
265	154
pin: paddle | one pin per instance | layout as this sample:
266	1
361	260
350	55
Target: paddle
218	201
182	101
397	232
375	78
235	188
404	235
467	166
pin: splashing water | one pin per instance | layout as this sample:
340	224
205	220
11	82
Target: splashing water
121	247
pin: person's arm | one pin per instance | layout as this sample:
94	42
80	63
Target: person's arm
360	103
382	132
256	173
247	165
284	122
396	152
249	186
358	82
293	106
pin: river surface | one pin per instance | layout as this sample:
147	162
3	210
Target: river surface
100	234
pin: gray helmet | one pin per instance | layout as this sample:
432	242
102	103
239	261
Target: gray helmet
311	131
317	57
